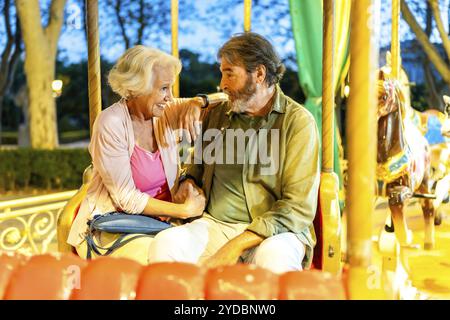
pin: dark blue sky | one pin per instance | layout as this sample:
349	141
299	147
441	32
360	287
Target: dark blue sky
198	36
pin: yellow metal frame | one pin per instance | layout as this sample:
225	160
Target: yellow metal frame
94	75
329	181
247	15
28	223
175	52
68	214
66	218
361	133
395	41
13	205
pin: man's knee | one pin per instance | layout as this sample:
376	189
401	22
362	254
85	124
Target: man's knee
280	253
183	244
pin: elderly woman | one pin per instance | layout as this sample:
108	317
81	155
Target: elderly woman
134	151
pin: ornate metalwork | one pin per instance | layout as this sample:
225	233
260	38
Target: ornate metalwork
31	230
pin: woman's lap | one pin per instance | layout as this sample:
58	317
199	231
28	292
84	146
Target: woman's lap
136	249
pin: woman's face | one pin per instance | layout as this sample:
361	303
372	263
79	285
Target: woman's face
154	103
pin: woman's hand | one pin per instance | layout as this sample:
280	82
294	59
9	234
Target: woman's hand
189	202
194	203
189	119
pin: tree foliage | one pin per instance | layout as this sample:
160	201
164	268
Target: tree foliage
11	51
411	10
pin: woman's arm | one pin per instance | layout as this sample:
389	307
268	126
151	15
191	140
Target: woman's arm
193	206
187	113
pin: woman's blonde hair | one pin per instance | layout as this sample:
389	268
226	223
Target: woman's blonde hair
132	75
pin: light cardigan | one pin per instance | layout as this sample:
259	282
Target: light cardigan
112	143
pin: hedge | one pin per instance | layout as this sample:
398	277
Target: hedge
25	168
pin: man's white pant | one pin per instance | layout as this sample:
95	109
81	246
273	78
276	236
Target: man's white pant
196	241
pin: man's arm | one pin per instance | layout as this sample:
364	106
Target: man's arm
296	209
233	249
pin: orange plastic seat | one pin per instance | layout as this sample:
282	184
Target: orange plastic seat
8	264
241	282
45	277
311	285
108	278
171	281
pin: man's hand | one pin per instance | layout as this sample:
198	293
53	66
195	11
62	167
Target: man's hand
194	204
191	198
229	254
184	188
226	256
189	119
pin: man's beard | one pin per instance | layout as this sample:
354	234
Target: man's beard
239	99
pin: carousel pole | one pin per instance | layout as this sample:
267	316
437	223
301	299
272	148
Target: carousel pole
67	215
94	75
395	42
175	53
247	15
361	133
327	86
329	182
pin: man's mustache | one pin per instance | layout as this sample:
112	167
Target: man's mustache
230	94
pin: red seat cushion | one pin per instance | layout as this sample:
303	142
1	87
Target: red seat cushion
311	285
108	278
8	265
241	282
45	277
171	281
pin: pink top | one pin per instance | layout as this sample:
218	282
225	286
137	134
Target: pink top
148	173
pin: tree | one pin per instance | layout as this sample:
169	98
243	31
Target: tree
266	14
439	62
10	55
197	76
434	98
40	55
139	21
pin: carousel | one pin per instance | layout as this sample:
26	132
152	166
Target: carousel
391	239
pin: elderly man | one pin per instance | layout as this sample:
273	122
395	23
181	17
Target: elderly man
258	168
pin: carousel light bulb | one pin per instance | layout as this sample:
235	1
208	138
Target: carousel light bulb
346	91
57	85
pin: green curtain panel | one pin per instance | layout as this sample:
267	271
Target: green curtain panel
307	26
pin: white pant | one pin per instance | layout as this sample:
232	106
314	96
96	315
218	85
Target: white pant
196	241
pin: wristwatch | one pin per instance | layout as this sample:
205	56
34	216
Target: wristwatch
204	96
185	176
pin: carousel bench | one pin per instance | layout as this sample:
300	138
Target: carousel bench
324	258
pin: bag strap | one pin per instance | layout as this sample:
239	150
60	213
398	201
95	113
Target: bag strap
118	243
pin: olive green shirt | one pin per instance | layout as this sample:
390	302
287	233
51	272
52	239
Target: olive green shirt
281	195
227	198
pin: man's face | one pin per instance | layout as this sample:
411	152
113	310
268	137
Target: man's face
238	84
